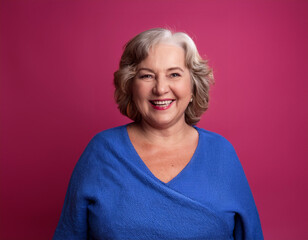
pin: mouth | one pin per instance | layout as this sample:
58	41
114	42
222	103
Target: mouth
161	104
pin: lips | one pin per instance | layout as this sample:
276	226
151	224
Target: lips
162	104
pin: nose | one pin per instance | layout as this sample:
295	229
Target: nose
161	86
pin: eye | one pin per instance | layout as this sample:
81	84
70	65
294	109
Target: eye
145	76
174	75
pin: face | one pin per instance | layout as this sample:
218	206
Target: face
162	86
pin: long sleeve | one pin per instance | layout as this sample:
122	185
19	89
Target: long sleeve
238	194
247	223
113	195
73	220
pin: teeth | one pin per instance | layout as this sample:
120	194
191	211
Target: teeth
162	102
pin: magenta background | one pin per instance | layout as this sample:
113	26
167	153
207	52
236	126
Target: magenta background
57	64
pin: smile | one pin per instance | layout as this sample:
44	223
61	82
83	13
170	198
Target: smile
161	104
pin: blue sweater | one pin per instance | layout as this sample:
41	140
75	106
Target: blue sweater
113	195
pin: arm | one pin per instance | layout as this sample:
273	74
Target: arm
73	220
247	221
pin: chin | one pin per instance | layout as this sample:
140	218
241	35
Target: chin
163	122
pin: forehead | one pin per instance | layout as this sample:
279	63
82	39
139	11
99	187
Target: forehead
164	55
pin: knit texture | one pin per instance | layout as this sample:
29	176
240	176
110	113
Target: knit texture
113	195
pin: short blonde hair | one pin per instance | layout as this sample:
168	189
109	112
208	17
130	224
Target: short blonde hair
136	50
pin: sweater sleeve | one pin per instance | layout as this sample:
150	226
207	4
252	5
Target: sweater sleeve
247	222
73	220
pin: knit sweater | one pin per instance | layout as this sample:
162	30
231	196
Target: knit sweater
113	195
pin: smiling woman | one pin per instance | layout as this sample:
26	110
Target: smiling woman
137	50
162	88
159	177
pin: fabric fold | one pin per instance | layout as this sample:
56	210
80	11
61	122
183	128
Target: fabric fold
121	199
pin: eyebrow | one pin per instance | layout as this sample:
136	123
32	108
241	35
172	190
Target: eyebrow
145	69
169	69
175	68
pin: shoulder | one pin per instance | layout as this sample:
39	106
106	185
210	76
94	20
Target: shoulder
209	134
107	144
214	140
112	136
103	146
219	151
221	154
110	133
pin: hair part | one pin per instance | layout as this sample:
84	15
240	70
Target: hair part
137	49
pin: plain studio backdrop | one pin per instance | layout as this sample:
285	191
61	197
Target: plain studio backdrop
57	64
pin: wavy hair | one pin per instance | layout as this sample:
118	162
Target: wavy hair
137	49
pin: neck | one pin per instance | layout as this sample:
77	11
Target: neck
158	135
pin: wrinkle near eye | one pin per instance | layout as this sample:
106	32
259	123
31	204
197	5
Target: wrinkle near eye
175	75
143	76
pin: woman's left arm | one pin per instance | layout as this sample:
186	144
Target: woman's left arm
247	221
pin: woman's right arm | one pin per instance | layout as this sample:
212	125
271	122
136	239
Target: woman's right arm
73	220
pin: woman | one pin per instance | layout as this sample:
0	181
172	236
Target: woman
159	177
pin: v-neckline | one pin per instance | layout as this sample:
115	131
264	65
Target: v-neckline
142	164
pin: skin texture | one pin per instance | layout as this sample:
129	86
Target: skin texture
163	140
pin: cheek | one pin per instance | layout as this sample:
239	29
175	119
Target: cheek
185	90
140	91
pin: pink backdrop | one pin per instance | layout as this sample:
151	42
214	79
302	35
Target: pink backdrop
57	64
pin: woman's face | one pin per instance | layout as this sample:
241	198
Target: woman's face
162	86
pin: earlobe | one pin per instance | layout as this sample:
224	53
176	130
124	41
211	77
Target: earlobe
128	111
131	110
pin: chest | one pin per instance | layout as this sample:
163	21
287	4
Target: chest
141	212
165	163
